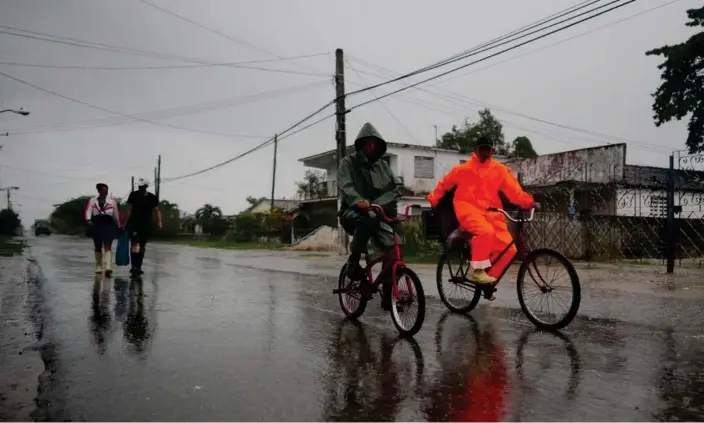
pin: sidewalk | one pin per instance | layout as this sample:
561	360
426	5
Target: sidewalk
21	364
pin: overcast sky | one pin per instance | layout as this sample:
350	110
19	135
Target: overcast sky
600	81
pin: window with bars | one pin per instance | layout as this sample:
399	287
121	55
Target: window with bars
423	167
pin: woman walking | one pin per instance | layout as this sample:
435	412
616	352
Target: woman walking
103	216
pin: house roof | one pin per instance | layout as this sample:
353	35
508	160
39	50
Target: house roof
350	149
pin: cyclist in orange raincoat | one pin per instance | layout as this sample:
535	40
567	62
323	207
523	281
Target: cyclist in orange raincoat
478	182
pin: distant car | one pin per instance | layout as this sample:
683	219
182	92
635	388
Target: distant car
42	227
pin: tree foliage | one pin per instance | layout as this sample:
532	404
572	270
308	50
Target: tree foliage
522	148
464	138
682	90
313	185
248	226
212	220
10	222
67	217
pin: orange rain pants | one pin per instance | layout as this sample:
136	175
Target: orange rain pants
478	186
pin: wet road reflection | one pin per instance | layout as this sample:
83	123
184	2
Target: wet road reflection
214	339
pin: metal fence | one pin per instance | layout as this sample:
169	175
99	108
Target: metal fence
647	214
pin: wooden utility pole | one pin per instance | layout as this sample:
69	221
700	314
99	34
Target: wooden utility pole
8	192
132	185
157	180
340	134
273	176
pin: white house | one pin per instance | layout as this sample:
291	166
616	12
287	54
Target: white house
418	167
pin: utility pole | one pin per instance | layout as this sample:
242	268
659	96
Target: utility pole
132	185
340	134
8	191
158	178
273	176
436	133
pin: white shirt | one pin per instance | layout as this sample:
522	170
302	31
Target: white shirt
110	208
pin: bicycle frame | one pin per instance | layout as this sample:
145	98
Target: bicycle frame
517	241
394	255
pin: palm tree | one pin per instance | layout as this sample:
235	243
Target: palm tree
209	216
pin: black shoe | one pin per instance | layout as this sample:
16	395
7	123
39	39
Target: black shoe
355	271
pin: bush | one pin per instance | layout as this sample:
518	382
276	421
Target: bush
9	222
246	227
414	242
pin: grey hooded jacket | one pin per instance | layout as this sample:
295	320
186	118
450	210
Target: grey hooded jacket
362	177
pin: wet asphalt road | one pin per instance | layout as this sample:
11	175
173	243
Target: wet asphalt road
208	336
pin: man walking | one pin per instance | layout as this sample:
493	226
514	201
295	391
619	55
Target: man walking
141	206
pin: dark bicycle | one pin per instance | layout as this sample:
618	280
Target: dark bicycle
457	257
404	296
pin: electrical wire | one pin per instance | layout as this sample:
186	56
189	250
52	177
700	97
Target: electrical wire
382	104
175	112
212	30
123	68
39	36
490	56
503	41
136	118
262	145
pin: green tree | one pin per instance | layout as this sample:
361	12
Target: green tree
522	148
211	218
253	201
682	90
9	222
313	185
464	138
67	217
170	218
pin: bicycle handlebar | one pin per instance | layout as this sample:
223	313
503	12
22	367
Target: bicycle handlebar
511	218
380	211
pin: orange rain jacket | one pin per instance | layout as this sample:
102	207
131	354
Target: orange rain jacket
478	186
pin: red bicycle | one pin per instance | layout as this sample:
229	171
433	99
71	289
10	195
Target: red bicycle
405	297
457	257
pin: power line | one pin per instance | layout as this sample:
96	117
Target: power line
39	36
599	28
513	33
175	112
123	68
490	56
212	30
491	45
108	110
262	145
383	105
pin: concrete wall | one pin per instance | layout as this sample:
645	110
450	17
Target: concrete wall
604	164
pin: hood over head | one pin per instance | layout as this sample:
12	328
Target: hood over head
369	131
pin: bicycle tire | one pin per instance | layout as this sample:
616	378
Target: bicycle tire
574	281
342	284
439	280
420	297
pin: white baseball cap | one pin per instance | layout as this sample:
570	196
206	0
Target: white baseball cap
143	182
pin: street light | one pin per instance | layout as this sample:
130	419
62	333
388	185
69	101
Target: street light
21	112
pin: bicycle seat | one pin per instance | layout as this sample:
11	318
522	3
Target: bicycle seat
458	236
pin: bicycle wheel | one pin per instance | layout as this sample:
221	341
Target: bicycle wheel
352	303
530	277
411	297
456	282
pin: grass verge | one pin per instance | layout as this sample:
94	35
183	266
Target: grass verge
10	247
